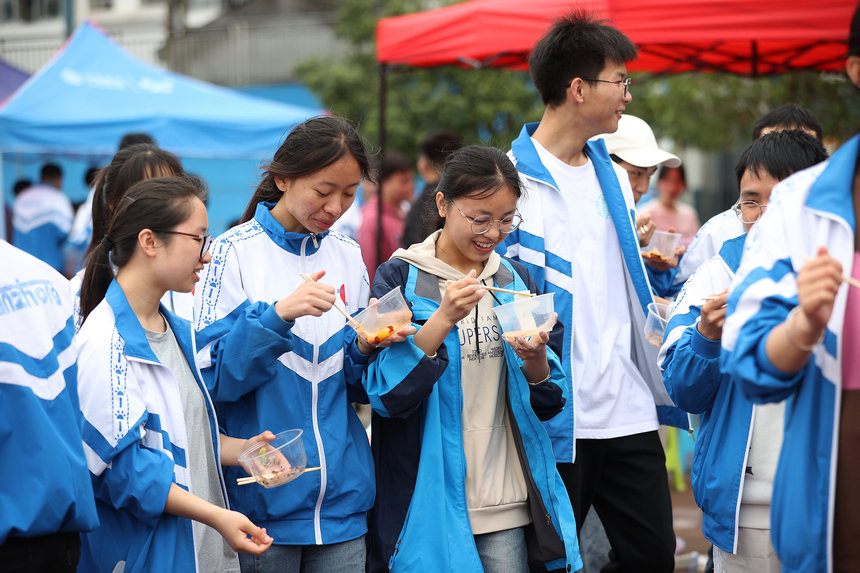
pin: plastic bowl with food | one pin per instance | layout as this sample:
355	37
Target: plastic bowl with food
276	462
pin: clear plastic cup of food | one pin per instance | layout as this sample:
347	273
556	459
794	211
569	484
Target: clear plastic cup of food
276	462
383	318
655	323
662	246
526	317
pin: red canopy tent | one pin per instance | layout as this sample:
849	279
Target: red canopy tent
754	38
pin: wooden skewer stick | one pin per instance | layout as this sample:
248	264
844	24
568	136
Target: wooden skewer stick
845	278
704	299
354	323
252	479
497	289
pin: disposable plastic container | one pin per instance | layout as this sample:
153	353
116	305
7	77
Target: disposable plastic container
655	323
277	462
662	246
379	320
526	317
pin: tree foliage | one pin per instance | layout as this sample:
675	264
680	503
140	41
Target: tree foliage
713	112
716	112
485	106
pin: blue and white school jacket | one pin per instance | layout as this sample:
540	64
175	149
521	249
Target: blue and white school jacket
42	218
691	373
541	244
809	209
420	521
267	373
135	441
45	486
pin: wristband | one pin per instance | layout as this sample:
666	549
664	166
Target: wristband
791	339
548	376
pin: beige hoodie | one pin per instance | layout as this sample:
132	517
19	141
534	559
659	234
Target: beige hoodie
496	491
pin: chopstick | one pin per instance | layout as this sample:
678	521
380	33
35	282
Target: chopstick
845	278
252	479
509	291
354	323
704	299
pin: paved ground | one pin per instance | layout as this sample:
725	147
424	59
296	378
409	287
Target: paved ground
688	527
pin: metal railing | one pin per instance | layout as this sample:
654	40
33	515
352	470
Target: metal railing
236	54
259	53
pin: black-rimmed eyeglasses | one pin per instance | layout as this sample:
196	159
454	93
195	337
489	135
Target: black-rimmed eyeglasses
625	82
205	240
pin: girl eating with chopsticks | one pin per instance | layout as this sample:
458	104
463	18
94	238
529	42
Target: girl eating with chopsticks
276	355
150	432
466	477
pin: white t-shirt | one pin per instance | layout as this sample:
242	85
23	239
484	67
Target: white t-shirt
612	399
765	446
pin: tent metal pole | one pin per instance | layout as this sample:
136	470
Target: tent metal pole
383	94
755	59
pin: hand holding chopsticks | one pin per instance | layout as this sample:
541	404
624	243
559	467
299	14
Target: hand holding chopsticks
844	278
354	323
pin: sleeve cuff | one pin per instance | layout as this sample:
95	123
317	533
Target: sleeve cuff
271	320
765	363
703	346
355	354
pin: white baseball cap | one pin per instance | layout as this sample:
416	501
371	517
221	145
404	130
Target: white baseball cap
634	142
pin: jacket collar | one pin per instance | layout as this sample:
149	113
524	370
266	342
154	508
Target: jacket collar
732	250
290	242
128	325
528	163
831	191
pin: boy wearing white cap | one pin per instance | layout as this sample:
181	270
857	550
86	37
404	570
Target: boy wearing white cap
635	148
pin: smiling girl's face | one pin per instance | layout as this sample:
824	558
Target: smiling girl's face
458	245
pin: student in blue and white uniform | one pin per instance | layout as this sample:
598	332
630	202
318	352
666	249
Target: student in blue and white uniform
276	354
46	493
723	226
42	217
466	479
130	164
793	333
738	444
579	241
150	432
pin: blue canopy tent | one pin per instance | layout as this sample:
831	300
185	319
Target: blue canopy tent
92	92
10	79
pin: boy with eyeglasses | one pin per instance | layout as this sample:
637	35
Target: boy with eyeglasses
725	225
738	445
579	241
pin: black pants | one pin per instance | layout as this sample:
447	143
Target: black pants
56	553
625	480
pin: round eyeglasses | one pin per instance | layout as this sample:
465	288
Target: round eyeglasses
749	211
484	223
204	240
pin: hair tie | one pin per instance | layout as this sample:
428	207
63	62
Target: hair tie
107	243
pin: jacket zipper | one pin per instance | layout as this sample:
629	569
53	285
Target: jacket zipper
315	416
